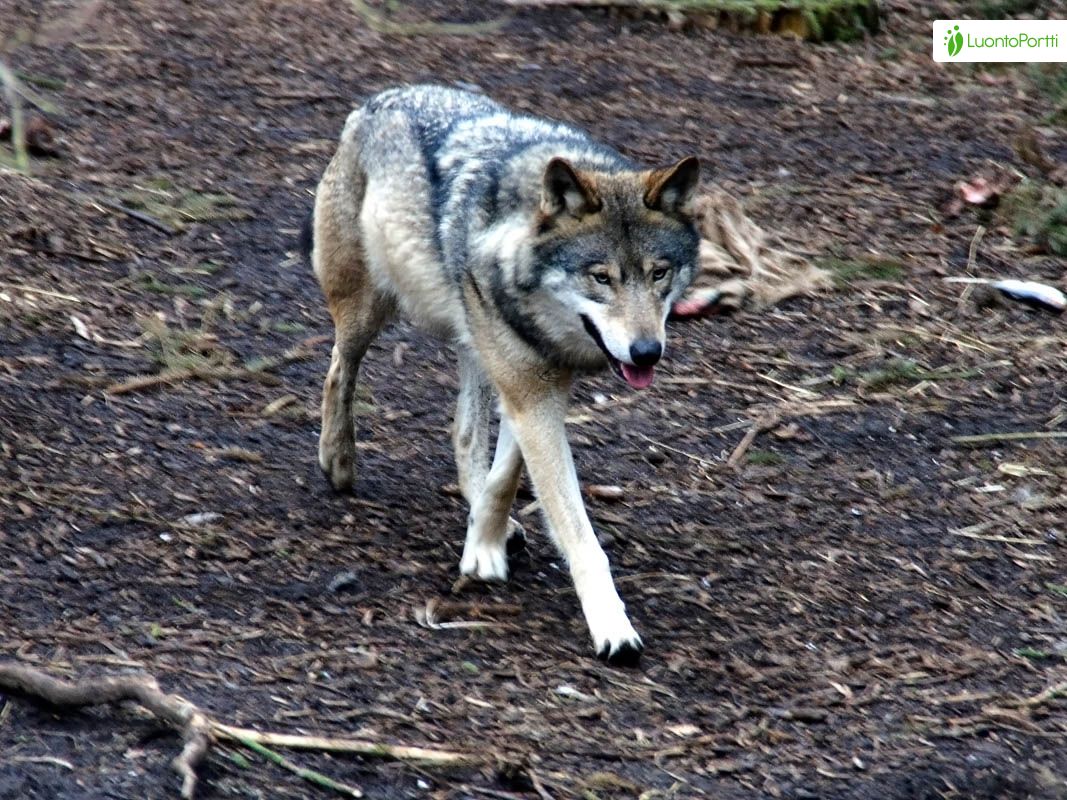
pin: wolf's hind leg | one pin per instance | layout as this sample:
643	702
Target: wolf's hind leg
490	492
491	532
359	312
356	328
470	429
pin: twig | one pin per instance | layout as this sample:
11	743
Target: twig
309	775
421	755
55	762
1041	698
994	538
972	251
702	461
1012	436
140	216
761	425
538	786
43	292
972	255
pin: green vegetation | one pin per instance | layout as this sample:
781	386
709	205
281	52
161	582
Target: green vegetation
898	371
851	270
1051	80
1033	654
176	207
1038	211
286	326
764	458
175	349
814	20
152	284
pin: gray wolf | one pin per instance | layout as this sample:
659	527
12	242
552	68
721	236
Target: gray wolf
540	254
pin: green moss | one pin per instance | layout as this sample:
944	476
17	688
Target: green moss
764	458
1038	211
159	198
851	270
152	284
1051	81
815	20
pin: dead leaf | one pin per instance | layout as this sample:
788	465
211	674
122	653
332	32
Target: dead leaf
604	492
683	730
981	190
81	328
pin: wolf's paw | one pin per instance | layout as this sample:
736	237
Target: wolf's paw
338	465
487	561
622	654
616	641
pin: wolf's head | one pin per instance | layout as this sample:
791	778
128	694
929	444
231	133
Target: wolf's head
611	252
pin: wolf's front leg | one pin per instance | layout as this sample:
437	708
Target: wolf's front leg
537	416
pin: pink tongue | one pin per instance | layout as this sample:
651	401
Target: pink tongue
638	377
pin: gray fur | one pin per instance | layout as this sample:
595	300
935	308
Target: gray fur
538	252
482	164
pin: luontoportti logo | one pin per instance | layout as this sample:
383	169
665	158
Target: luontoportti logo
980	40
954	41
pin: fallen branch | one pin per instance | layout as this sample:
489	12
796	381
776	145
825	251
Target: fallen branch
176	711
198	730
970	534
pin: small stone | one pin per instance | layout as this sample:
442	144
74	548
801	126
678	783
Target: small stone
343	581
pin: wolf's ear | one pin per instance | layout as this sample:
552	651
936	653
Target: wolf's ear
673	189
564	190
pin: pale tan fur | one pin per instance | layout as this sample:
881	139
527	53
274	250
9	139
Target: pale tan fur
374	259
359	311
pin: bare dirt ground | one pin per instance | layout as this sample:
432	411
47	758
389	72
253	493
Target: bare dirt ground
860	610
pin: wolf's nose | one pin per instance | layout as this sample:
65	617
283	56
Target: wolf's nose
645	352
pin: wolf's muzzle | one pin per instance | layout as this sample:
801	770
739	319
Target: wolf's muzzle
646	352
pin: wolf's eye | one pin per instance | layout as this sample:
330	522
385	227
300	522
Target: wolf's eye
660	274
602	277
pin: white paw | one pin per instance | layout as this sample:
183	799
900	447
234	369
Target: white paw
487	561
614	638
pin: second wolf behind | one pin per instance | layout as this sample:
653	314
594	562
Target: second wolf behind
540	254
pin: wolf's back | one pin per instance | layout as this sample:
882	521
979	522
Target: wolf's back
399	128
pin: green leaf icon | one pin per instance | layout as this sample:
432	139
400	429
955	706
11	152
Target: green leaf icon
954	40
